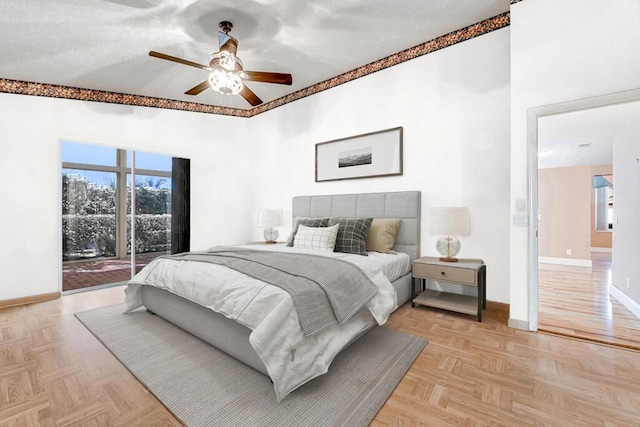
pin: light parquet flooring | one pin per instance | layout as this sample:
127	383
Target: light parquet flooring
575	301
53	372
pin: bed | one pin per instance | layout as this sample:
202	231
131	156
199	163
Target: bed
237	336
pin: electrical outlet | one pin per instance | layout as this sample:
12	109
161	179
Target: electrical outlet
568	251
520	220
627	283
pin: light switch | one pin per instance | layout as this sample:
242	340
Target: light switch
521	205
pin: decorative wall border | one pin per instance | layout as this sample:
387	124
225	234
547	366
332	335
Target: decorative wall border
455	37
67	92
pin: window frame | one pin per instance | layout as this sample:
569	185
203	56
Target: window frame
121	170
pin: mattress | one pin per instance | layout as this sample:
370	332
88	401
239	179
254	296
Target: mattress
290	358
394	265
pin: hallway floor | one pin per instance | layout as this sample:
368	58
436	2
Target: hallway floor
575	301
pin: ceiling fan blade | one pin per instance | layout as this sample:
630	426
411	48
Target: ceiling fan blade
196	90
266	77
251	97
227	43
178	60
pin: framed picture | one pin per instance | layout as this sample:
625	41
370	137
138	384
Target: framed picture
362	156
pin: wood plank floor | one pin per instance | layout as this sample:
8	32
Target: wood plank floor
53	372
575	301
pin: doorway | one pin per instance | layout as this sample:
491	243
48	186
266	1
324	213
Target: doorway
116	213
576	283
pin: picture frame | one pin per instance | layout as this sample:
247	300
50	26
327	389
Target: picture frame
368	155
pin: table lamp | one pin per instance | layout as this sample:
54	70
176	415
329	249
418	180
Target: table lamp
269	219
448	223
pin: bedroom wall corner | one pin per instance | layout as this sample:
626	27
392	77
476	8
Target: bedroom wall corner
454	108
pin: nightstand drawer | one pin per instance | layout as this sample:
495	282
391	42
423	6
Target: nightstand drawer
448	274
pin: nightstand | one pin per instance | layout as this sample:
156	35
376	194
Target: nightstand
466	272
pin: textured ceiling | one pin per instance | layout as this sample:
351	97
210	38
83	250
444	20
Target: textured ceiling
104	44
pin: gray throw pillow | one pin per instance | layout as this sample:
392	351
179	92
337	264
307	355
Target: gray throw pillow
307	222
352	235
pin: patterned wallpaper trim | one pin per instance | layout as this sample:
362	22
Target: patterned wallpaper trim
66	92
455	37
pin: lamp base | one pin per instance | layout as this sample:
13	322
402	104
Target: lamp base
448	247
270	235
270	242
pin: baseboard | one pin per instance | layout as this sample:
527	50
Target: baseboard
633	306
518	324
605	250
29	300
565	261
497	311
498	306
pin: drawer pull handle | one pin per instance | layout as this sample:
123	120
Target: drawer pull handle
442	272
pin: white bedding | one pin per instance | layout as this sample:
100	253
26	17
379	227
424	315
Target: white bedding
395	265
290	358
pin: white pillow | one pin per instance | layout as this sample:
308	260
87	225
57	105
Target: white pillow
316	238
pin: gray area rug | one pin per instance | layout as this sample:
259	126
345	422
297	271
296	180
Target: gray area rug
203	386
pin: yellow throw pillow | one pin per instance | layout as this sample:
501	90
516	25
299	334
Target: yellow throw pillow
382	235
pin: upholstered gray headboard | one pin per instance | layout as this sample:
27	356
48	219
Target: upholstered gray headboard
403	204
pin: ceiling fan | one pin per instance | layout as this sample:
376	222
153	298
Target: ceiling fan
226	73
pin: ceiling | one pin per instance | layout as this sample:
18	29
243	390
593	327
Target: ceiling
561	136
104	44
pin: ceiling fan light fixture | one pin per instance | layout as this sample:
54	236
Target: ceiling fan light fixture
227	61
225	69
225	82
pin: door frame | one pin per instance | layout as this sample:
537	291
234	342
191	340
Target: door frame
533	114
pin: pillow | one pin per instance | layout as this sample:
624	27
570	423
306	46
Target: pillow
316	238
382	235
308	222
352	235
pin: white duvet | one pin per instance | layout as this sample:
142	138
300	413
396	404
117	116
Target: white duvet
290	358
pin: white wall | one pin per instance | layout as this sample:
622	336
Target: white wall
30	217
562	51
626	244
454	107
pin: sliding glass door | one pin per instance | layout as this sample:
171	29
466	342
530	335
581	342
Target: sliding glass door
152	213
111	227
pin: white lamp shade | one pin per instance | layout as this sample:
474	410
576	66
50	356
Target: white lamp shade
270	218
449	221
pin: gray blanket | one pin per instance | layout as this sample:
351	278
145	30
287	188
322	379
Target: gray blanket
325	291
